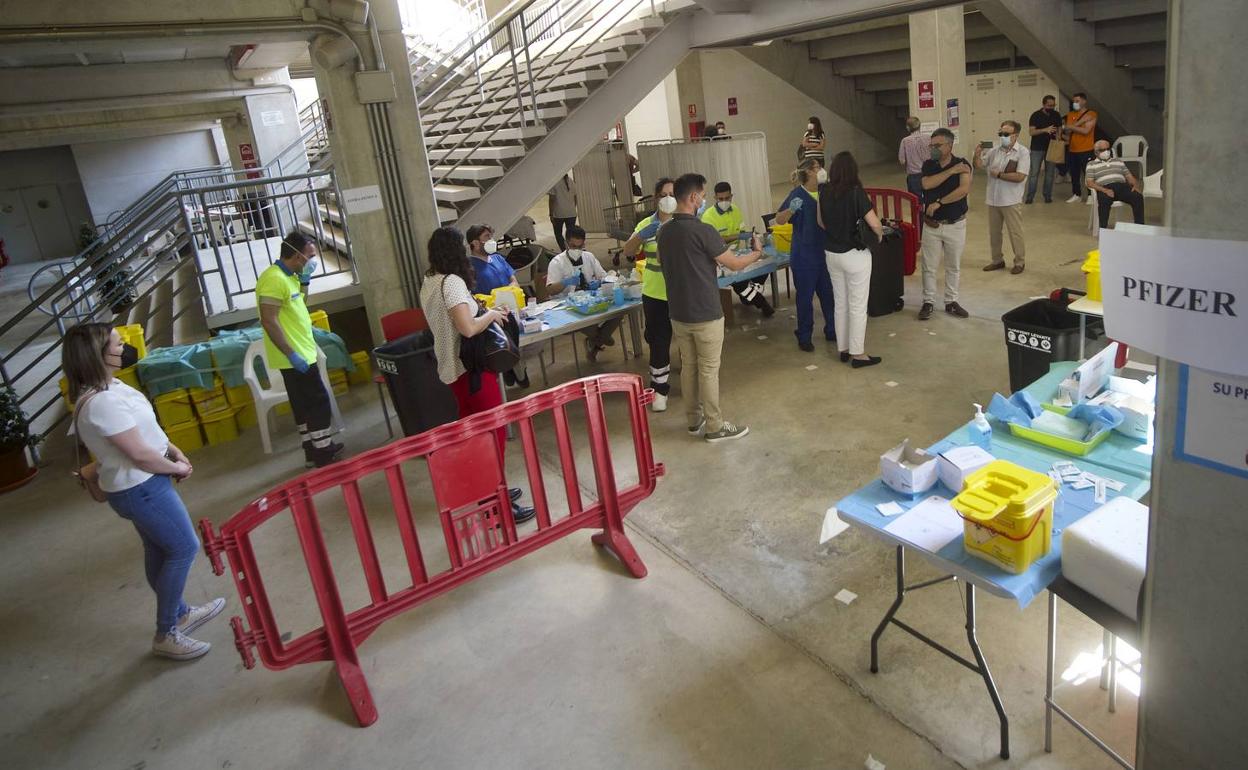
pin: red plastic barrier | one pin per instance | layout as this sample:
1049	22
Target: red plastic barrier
903	207
477	522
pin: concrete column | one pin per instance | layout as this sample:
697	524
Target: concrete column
689	91
356	164
938	53
1195	626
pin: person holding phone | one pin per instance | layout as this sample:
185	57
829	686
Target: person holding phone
1008	165
137	467
1044	125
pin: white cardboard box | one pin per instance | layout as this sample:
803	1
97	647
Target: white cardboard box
909	471
954	465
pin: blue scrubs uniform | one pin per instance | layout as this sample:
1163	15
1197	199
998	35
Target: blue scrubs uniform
809	267
491	274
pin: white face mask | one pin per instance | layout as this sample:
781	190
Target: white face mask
810	126
821	176
1074	106
1104	155
667	204
1005	141
490	246
574	253
723	206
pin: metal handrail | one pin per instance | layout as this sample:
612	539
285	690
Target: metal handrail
607	28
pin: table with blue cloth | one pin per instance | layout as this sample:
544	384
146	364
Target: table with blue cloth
561	321
1119	458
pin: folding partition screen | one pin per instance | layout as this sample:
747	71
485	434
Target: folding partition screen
740	160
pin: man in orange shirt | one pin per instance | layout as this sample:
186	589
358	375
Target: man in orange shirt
1080	135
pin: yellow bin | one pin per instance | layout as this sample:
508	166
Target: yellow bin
220	428
132	334
363	373
174	409
320	319
210	402
185	436
1007	513
338	381
782	236
1092	274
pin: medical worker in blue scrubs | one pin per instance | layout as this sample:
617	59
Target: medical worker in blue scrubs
807	262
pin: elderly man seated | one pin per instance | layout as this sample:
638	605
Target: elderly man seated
1113	181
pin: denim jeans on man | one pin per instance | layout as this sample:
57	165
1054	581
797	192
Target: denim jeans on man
1050	169
169	542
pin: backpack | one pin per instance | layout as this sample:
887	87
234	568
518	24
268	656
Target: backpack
496	349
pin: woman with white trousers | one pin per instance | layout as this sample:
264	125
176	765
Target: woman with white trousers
842	203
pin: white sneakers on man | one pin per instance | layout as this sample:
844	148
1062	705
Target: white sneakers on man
1073	199
179	646
659	404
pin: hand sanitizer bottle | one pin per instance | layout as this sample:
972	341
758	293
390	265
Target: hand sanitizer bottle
978	431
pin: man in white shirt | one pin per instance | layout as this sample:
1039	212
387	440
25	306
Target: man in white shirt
562	203
574	269
1008	165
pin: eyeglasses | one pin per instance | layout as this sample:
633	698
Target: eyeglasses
1004	133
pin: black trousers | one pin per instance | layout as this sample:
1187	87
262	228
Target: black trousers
752	293
561	225
309	402
1124	193
659	338
1077	163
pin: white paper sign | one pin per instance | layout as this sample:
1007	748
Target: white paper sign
272	118
361	199
1213	420
1185	299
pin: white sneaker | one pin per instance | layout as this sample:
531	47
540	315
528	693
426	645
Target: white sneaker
728	432
1091	200
197	616
179	646
1073	199
659	404
698	428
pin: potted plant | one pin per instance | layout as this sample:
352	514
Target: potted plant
15	437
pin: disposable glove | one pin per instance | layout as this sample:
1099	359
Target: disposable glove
299	362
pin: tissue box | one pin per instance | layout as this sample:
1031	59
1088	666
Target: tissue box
531	325
954	465
907	470
1104	553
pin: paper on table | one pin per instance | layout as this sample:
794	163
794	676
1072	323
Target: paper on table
891	508
931	524
832	526
845	597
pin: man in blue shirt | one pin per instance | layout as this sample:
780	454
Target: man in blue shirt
491	268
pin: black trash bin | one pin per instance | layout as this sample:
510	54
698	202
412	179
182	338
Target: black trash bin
1037	334
888	264
422	400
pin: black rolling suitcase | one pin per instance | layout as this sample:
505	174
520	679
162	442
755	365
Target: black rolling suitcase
887	275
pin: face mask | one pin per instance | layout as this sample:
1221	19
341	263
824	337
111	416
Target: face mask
1005	140
810	126
574	255
128	358
821	176
1104	155
667	204
935	153
723	206
1074	106
490	246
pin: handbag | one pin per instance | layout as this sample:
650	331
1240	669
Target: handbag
88	476
1056	152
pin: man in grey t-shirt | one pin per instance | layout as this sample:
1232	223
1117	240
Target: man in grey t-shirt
691	251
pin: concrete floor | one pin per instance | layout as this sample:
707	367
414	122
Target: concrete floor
732	653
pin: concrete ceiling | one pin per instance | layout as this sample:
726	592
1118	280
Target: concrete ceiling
269	51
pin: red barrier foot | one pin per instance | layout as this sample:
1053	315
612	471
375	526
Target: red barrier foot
353	681
619	544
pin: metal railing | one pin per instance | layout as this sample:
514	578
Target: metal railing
542	39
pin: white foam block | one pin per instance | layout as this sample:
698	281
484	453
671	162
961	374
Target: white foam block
845	597
812	367
1104	553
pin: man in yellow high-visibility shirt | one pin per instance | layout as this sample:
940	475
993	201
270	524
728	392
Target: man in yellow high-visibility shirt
281	291
643	246
728	220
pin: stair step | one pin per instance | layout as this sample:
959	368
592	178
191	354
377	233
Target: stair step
565	63
495	152
472	106
159	326
519	133
468	172
330	213
505	116
542	82
452	193
329	235
447	215
189	324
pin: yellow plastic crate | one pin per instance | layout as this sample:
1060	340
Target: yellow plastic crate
338	381
320	319
1062	444
363	373
130	376
185	436
239	395
782	237
174	409
210	402
1092	274
64	383
220	428
245	416
133	334
282	408
1007	513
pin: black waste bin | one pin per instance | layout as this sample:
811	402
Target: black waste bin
422	400
1037	334
888	264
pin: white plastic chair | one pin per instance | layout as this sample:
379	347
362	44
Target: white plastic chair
1133	149
1094	221
267	398
1152	185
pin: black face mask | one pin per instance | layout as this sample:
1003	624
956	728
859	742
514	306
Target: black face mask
129	356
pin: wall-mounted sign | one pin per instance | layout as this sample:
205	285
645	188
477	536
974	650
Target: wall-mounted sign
272	118
1213	420
732	105
693	110
951	113
927	94
358	200
246	151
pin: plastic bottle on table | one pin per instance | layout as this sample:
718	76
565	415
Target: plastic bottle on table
978	431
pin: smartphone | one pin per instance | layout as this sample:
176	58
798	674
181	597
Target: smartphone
986	144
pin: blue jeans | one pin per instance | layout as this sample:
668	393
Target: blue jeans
169	542
810	277
914	184
1033	178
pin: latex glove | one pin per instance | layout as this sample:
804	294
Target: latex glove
593	285
572	281
650	230
305	276
299	362
795	205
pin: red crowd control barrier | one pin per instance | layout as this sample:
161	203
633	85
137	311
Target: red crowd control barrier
478	527
903	207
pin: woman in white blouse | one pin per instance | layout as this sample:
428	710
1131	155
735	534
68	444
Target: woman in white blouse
137	467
